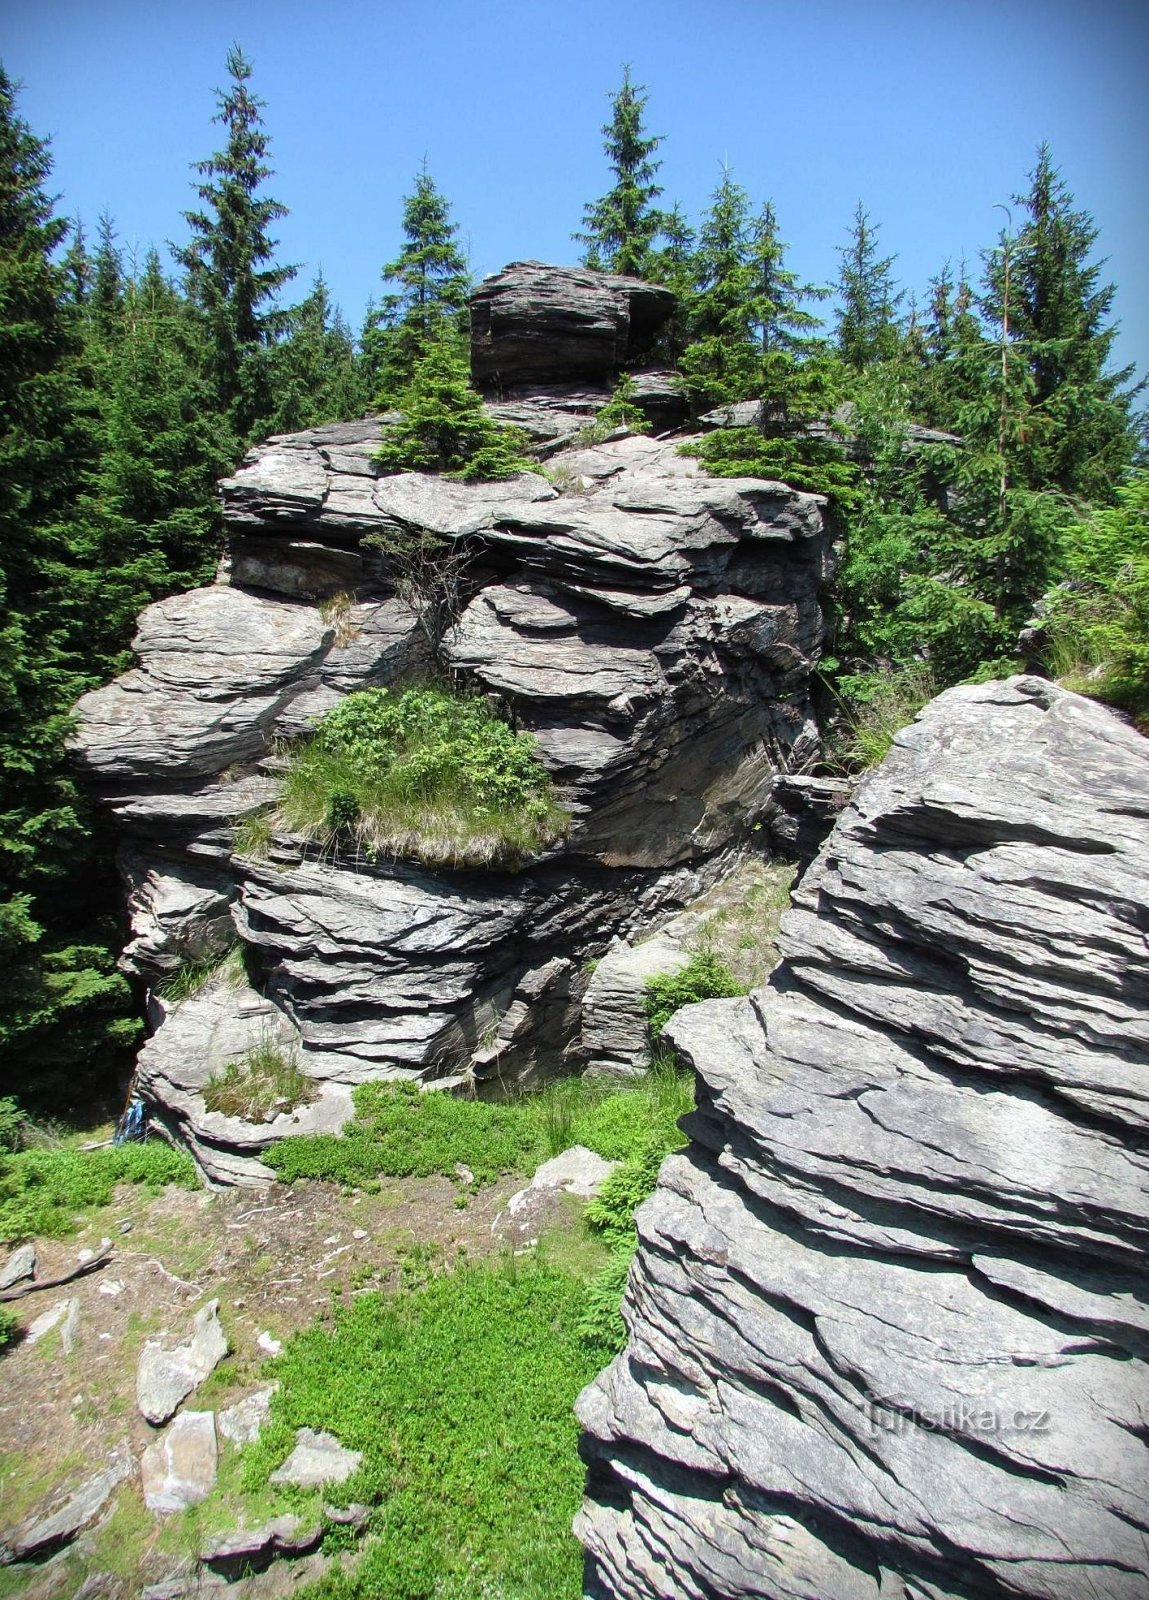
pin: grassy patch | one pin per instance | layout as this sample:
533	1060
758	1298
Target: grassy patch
426	774
876	707
267	1081
194	976
400	1131
460	1395
42	1190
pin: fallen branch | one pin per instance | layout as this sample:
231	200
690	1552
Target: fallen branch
54	1283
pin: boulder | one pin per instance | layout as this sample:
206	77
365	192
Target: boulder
246	1550
178	1469
542	324
243	1422
165	1378
886	1323
615	1032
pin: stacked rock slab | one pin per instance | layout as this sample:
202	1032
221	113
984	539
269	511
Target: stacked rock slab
655	630
887	1322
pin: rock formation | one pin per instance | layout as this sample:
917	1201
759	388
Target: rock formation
887	1322
652	627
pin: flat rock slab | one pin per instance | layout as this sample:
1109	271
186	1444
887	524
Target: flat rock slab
20	1264
317	1458
165	1378
576	1171
243	1422
178	1470
41	1534
63	1311
251	1549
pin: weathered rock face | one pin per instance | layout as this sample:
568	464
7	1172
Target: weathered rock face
887	1320
539	324
652	627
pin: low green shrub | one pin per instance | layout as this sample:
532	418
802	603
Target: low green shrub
705	977
42	1190
600	1325
267	1081
402	1131
426	773
815	466
8	1326
13	1122
620	411
460	1395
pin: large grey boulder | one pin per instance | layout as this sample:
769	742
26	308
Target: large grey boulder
542	324
886	1323
317	1458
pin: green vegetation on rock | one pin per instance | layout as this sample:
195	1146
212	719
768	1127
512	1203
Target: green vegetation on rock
426	774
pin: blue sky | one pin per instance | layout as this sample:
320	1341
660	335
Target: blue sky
928	113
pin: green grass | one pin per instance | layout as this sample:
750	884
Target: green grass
268	1080
877	706
460	1395
401	1131
425	774
194	976
8	1325
41	1191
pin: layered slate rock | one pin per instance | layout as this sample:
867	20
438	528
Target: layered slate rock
887	1322
652	627
541	324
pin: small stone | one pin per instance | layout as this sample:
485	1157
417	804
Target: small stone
111	1286
266	1343
164	1378
126	1225
84	1256
19	1265
577	1171
242	1422
332	1238
317	1458
359	1233
70	1326
464	1173
178	1469
46	1321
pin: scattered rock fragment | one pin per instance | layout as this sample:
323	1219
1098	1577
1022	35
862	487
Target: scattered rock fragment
178	1469
317	1458
20	1264
268	1345
243	1422
165	1378
252	1549
41	1534
46	1321
70	1326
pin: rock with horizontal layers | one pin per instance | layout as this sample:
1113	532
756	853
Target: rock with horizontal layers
178	1469
886	1321
615	1029
51	1529
246	1550
542	324
653	628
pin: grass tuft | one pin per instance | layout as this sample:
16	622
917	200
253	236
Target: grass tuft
268	1081
877	706
426	774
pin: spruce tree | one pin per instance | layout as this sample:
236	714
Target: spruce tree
317	373
619	230
1057	321
429	301
721	362
231	276
866	322
61	1001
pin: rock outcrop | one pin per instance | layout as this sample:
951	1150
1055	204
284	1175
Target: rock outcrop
887	1322
654	628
